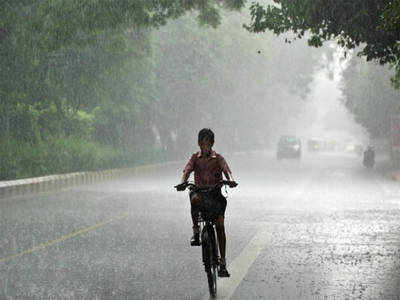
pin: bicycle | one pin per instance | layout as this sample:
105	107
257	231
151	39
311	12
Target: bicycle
207	218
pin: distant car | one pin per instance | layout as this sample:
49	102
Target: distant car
289	146
313	145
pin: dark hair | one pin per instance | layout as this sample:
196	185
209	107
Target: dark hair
206	133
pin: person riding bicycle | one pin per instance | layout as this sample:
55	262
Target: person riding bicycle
208	167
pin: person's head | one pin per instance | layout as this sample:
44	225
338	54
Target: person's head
206	140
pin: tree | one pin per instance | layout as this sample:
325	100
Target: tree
370	23
63	22
369	96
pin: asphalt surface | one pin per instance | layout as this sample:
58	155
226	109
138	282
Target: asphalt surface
320	228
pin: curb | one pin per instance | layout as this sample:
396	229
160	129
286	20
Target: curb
35	185
49	183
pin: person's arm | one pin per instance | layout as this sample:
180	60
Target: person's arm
186	173
225	169
229	176
185	176
188	169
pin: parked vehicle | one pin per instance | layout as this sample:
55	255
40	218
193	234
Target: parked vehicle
289	146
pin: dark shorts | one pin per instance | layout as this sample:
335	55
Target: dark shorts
219	207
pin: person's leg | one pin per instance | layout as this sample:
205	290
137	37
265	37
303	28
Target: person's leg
222	272
221	238
194	203
220	227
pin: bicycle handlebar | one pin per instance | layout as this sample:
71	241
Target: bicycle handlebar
207	189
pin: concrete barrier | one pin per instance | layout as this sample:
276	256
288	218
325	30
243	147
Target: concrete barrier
36	185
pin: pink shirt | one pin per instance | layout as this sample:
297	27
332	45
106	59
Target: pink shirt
207	170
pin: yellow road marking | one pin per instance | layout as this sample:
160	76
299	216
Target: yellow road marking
63	238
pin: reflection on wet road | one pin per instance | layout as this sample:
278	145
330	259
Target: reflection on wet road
321	228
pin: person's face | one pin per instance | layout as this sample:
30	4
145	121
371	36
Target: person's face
205	146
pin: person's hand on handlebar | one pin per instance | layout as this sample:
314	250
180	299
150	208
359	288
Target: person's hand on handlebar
232	183
181	187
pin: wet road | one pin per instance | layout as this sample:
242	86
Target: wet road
321	228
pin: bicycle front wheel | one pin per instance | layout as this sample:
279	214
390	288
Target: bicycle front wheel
212	274
212	280
208	245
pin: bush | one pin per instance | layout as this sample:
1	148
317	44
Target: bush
66	155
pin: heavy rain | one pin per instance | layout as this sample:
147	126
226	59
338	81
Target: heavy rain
119	118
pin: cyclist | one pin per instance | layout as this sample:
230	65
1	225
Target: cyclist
208	167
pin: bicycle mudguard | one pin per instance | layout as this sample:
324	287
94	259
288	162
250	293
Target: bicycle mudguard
205	245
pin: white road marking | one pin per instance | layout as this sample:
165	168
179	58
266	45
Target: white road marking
239	267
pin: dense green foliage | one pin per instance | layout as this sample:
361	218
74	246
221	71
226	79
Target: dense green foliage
89	85
371	23
77	77
67	155
369	96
